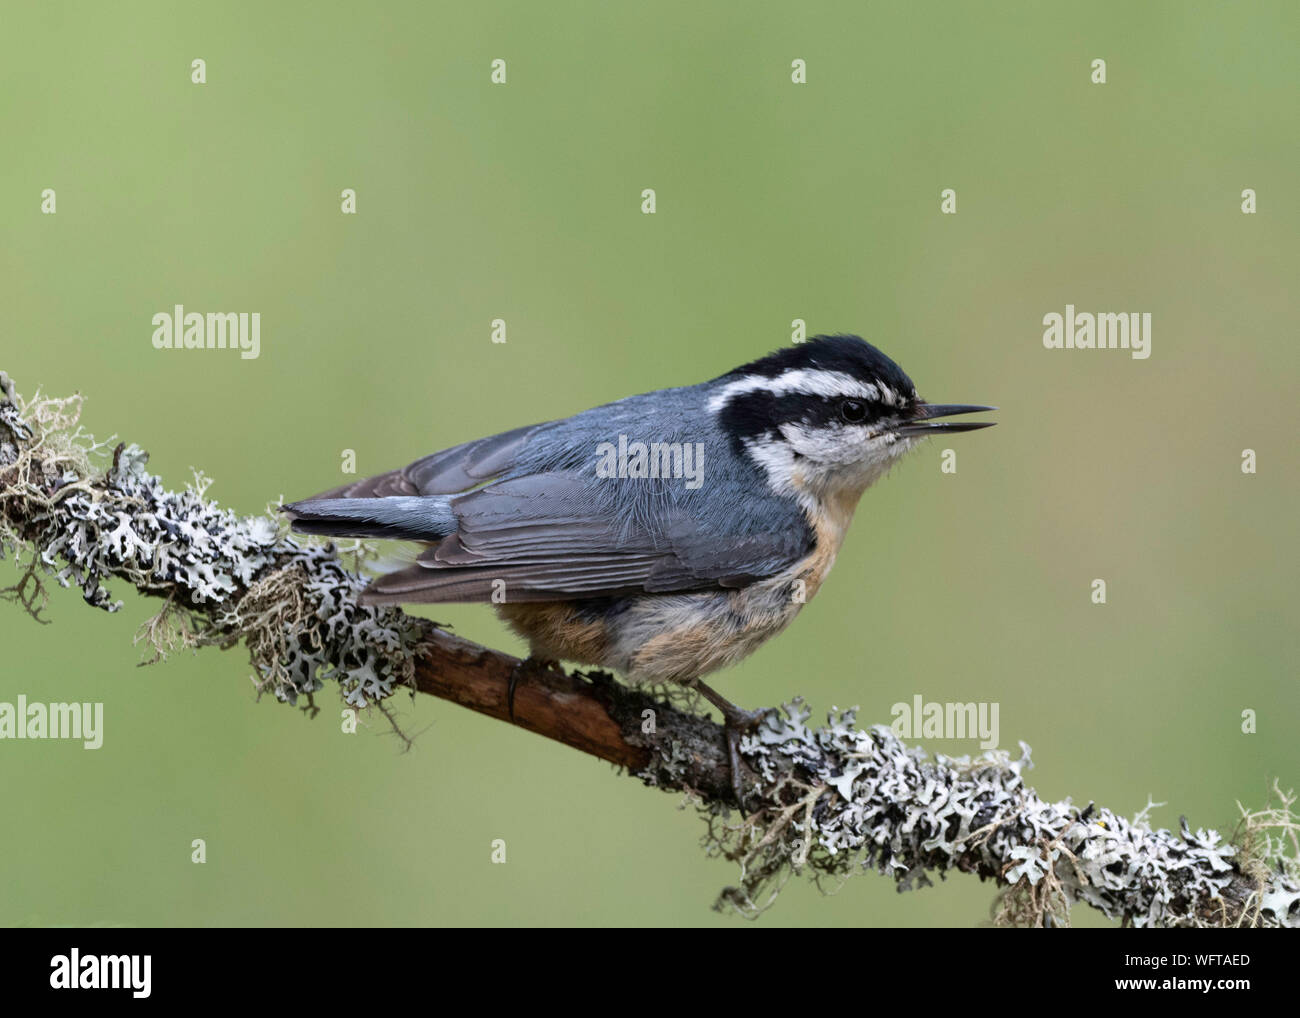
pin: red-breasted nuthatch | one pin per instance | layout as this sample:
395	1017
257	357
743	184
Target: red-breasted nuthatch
664	536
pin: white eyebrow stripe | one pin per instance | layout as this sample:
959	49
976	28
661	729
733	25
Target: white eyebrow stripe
809	381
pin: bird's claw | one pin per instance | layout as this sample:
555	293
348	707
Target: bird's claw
737	722
735	728
533	664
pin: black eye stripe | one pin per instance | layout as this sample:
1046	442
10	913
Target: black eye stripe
752	415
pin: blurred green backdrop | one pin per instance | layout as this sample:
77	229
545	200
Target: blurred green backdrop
776	201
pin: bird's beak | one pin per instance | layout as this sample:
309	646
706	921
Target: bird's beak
925	412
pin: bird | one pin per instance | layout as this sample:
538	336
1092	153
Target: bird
664	536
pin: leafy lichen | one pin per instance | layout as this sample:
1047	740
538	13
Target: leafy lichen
226	578
841	800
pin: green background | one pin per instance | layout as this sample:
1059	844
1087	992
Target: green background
775	201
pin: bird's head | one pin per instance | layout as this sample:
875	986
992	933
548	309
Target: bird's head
827	417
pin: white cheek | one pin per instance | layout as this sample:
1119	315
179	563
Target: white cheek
775	460
857	459
778	463
879	454
849	446
821	446
851	460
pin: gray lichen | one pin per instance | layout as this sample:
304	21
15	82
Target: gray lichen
225	578
839	800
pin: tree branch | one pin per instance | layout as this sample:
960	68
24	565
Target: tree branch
827	801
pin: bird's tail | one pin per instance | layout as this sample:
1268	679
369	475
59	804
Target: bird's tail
400	517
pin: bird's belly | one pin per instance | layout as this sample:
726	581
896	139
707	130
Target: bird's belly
659	637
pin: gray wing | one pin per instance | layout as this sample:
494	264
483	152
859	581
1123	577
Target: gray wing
442	473
543	525
550	536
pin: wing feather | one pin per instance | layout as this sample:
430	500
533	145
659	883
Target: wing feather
539	520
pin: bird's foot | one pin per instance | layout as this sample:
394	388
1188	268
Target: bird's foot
737	722
536	665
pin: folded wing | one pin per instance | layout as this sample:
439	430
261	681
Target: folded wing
557	534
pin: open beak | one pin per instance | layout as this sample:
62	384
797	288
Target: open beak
925	412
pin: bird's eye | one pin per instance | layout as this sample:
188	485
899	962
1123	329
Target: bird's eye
853	411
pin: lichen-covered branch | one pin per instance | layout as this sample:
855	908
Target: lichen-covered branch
825	801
